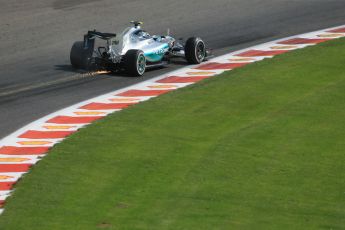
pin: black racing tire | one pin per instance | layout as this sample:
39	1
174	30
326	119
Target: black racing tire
80	57
135	62
195	50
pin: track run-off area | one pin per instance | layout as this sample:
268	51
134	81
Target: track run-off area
25	147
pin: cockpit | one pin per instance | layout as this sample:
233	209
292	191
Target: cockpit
134	38
141	34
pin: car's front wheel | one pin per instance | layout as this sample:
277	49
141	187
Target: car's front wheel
135	62
195	50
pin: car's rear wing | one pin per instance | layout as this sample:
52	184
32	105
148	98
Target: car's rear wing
89	38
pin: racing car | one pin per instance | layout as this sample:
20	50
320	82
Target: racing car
134	51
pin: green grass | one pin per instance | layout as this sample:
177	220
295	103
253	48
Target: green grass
261	147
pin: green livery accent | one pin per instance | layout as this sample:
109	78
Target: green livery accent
158	54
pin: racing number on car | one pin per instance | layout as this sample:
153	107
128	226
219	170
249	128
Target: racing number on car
160	51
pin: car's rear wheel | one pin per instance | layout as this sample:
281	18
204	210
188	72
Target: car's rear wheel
135	62
195	50
80	57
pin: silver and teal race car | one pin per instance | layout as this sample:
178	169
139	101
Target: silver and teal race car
134	51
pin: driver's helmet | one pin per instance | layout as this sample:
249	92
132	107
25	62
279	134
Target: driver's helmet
142	34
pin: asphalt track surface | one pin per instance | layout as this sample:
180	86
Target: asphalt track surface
35	75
